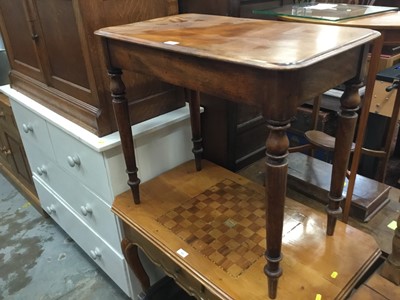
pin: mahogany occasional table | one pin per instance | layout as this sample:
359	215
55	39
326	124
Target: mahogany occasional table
276	66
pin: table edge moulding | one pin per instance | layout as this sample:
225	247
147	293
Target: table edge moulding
84	211
198	52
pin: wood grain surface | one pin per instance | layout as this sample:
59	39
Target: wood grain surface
310	257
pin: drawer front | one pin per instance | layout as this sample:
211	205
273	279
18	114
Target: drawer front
82	162
250	141
87	205
32	129
107	259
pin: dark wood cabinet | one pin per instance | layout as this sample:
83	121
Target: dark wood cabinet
57	60
13	162
233	134
387	3
236	8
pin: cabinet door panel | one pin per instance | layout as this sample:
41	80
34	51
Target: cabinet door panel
66	64
3	147
20	162
226	7
13	154
18	38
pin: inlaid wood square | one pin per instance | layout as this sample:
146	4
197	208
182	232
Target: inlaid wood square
225	223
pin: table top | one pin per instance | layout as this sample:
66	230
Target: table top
258	43
388	20
383	21
326	11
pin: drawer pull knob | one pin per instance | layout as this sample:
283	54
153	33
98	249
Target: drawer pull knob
41	170
27	128
95	254
7	152
51	209
86	210
2	114
74	161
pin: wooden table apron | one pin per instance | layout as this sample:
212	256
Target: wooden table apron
278	88
278	92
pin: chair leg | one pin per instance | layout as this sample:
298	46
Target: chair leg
314	118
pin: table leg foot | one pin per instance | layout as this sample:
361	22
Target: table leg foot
333	211
134	185
273	276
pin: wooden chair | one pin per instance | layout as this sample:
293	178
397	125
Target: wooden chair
318	139
314	137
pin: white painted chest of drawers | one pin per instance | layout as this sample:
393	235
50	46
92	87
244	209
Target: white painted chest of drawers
77	174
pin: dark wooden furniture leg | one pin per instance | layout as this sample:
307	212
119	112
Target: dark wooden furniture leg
370	79
194	106
131	254
121	111
391	267
350	102
276	167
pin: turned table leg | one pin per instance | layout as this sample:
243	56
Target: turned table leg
121	111
276	167
194	107
350	102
